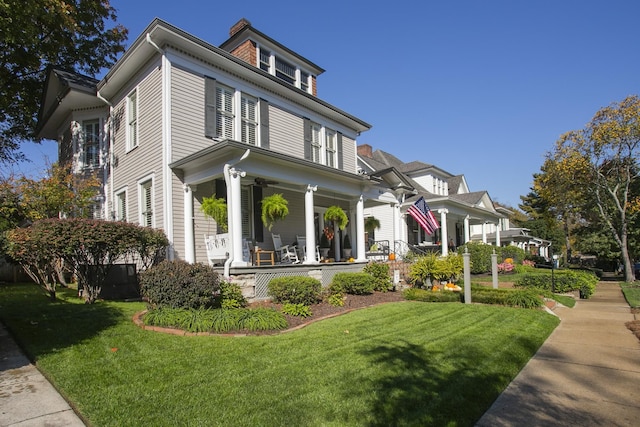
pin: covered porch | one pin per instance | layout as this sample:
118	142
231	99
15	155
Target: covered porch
244	175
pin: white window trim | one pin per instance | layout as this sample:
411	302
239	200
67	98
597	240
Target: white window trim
325	143
83	144
141	182
239	118
233	114
117	206
131	144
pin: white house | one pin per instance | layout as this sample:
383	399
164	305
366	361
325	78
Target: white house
463	215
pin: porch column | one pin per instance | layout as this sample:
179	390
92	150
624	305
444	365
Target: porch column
235	217
498	234
189	242
360	251
309	226
467	231
484	232
396	225
444	239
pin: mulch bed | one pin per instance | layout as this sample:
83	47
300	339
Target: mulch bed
634	325
324	310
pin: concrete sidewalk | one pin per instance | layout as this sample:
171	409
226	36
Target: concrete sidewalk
27	399
587	373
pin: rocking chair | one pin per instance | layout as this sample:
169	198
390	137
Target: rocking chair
302	243
286	253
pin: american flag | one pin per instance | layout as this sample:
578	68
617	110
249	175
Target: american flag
423	216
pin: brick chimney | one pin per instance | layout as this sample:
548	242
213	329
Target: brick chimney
239	26
365	150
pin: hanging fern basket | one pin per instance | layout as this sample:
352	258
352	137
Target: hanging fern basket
274	208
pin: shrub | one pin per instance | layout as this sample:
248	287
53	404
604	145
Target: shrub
178	284
91	246
295	290
230	296
563	281
353	283
336	300
505	267
515	253
480	256
528	298
261	319
380	272
218	320
300	310
423	295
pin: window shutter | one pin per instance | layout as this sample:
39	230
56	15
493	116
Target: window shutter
307	138
264	123
339	148
210	107
258	227
221	189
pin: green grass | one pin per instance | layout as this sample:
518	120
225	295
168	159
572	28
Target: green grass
631	293
408	363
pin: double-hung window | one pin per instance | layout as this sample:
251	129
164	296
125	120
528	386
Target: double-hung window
331	149
224	111
91	143
304	81
285	71
249	119
121	206
146	203
316	143
132	120
265	60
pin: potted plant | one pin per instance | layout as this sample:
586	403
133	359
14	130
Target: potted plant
337	216
274	208
346	246
216	208
324	245
371	223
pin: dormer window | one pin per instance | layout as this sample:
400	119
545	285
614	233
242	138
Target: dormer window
304	81
265	60
285	71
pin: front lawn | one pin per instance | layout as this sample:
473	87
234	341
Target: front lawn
407	363
631	293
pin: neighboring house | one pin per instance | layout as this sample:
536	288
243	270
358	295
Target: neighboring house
458	211
177	119
515	236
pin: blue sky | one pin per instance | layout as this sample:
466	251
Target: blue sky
480	88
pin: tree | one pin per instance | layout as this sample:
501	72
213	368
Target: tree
70	34
60	191
91	246
598	166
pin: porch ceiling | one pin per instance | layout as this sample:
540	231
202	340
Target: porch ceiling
281	170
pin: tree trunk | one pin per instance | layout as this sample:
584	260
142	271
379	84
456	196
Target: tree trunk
629	274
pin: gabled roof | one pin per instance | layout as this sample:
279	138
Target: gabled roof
64	91
455	183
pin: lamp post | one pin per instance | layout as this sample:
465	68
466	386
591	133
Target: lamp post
553	266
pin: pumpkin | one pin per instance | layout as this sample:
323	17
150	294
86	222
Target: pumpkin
392	256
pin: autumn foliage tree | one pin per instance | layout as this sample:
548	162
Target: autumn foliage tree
598	167
70	34
90	246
